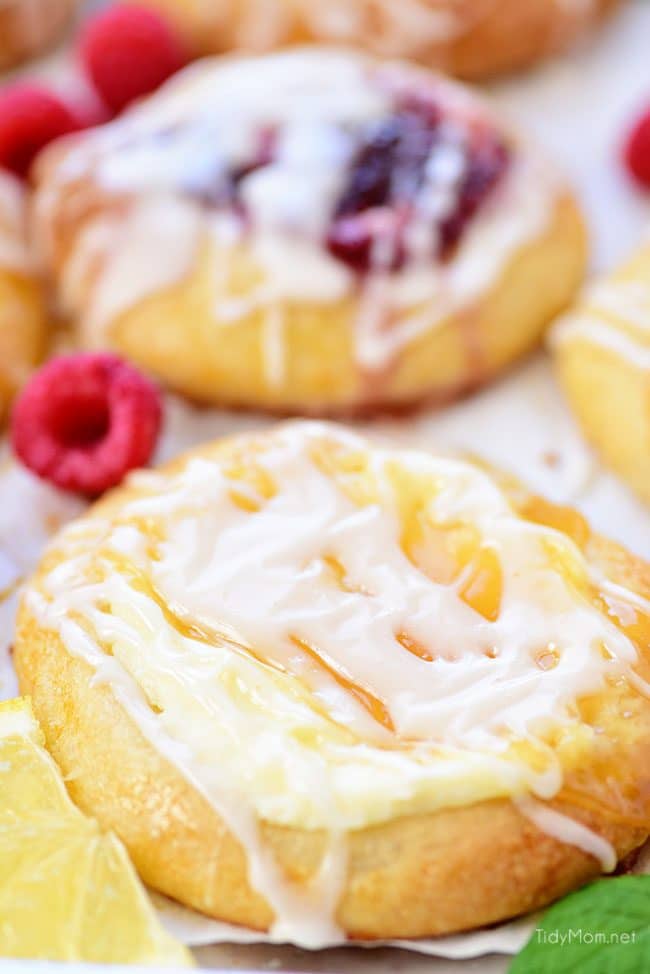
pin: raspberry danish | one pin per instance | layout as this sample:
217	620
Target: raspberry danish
309	231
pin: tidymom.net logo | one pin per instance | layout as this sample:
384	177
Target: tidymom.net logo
581	935
603	928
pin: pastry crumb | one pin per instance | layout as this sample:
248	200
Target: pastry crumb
552	458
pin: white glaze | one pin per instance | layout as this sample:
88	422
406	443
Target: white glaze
423	297
31	512
292	745
599	332
627	300
133	271
218	109
614	313
13	244
397	29
570	832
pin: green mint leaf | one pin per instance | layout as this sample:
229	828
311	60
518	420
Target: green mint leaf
601	929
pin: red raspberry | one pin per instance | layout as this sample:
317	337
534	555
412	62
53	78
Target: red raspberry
371	240
128	51
636	152
83	421
30	117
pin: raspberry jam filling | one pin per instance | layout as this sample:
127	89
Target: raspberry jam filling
411	185
392	179
225	191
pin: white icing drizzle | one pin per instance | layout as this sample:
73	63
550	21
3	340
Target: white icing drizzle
14	254
625	299
614	313
30	514
303	916
567	830
273	345
415	23
622	344
424	297
289	742
397	29
206	122
132	272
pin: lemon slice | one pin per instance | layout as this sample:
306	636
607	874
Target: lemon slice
67	890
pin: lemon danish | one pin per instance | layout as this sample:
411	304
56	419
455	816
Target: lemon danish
324	687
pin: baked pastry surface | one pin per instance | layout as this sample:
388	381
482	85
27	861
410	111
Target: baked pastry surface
320	685
602	356
310	232
29	27
22	313
470	38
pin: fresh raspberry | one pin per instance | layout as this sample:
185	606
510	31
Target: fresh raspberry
83	421
128	51
636	151
30	117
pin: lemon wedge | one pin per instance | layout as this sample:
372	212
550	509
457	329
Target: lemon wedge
67	890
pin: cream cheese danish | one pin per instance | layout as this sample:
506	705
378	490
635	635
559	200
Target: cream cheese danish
322	686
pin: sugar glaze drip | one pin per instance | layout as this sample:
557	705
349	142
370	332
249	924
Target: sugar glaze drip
614	313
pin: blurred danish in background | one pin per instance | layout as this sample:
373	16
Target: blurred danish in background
472	39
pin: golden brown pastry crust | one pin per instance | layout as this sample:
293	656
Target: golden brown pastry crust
29	27
423	875
322	375
486	37
22	333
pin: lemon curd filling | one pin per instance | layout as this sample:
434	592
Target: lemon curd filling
330	634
